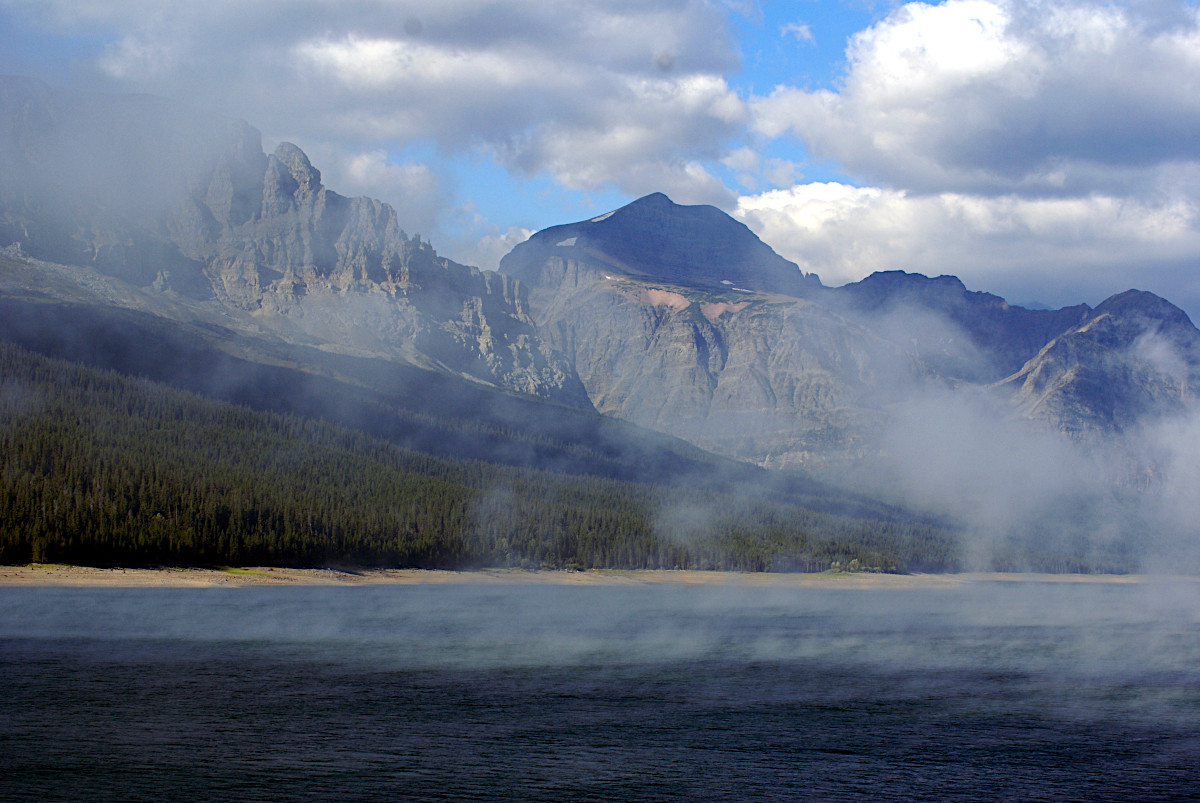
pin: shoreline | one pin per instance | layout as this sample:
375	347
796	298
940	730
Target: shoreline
60	575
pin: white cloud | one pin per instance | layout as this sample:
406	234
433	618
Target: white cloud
744	159
756	173
651	132
1001	96
486	250
413	189
1055	249
799	30
590	93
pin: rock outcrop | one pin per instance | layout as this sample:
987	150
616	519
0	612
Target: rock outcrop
159	196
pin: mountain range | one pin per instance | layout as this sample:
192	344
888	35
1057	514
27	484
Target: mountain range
675	318
743	363
142	235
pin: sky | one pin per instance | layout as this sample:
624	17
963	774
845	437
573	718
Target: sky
1044	150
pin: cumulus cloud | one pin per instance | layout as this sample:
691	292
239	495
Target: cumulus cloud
1000	96
415	190
485	244
799	30
593	94
1060	249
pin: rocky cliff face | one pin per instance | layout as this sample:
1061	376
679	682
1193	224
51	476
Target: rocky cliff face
773	379
162	197
808	377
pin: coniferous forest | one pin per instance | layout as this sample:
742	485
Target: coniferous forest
98	467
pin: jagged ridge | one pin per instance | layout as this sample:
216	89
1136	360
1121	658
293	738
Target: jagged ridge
207	216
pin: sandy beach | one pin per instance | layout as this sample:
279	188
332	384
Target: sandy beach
184	577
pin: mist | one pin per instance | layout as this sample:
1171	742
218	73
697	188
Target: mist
903	403
908	541
1029	487
923	626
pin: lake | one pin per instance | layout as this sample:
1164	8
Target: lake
976	691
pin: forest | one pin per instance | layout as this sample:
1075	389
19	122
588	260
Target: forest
99	467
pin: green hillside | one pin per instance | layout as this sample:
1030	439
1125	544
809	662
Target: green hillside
97	467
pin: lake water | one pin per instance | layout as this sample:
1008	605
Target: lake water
982	691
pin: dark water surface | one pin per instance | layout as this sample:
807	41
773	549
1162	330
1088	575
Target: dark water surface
986	691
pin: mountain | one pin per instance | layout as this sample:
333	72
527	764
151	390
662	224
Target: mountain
1134	357
1003	336
638	302
656	239
674	318
659	344
170	200
765	378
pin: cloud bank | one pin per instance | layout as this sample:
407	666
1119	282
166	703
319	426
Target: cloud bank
1057	250
591	93
992	96
1046	149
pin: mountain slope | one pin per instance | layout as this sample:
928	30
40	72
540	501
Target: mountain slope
811	378
97	467
409	406
1135	357
167	199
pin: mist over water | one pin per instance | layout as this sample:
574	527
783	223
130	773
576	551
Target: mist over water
975	690
982	690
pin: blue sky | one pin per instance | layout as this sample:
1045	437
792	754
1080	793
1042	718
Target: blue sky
1045	150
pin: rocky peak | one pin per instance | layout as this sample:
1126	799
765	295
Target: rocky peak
290	179
1145	307
159	196
1002	336
656	239
295	161
1135	355
891	287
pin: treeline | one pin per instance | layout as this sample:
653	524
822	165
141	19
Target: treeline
100	468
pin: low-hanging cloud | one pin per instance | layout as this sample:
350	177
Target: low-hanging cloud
578	92
1025	491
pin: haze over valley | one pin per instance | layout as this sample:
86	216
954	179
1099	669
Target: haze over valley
673	400
657	343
